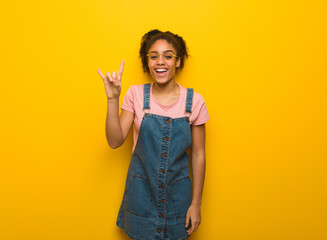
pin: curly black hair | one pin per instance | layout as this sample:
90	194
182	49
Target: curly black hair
152	36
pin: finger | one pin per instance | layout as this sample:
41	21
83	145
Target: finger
191	229
114	75
121	69
187	221
109	77
195	226
100	73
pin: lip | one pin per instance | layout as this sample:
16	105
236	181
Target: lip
161	74
162	68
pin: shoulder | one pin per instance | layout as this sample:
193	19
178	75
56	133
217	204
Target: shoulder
199	109
135	93
197	97
133	98
134	90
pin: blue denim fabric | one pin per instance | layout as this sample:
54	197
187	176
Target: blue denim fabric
158	188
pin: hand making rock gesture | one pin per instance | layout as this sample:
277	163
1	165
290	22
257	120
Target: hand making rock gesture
112	83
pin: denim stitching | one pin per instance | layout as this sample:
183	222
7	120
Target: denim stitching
173	196
170	130
148	212
146	96
189	100
139	138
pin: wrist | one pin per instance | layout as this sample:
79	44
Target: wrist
196	203
113	100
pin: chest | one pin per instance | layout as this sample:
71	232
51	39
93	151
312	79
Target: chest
166	100
160	132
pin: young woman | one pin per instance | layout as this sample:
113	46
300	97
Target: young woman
158	201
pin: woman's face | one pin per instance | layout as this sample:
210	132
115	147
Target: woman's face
162	66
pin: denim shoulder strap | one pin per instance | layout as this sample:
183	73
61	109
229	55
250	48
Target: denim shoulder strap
146	96
189	100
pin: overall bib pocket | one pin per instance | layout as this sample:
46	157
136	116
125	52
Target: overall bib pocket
138	196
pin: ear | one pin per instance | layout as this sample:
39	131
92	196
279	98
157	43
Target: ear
178	62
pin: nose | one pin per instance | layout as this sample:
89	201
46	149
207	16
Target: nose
160	59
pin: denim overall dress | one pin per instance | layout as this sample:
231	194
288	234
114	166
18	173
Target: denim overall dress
158	188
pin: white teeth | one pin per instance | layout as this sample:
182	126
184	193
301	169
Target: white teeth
161	70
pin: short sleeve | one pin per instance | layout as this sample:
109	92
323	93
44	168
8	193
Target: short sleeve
199	111
128	101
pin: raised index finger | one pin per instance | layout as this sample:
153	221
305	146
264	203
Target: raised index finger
121	69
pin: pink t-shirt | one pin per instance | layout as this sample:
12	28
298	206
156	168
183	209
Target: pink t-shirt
133	102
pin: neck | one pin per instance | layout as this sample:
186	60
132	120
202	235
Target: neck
170	87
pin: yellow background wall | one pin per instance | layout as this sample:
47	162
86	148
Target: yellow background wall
260	65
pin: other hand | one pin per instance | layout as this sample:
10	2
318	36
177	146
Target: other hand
193	218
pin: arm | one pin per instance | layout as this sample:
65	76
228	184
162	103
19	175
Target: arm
193	216
117	128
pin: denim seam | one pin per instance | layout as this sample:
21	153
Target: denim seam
173	196
167	162
128	234
157	184
180	179
139	138
146	96
151	197
158	172
189	100
136	238
164	117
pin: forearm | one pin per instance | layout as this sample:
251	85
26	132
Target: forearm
114	132
198	171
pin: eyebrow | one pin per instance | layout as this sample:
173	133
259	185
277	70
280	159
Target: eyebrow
163	51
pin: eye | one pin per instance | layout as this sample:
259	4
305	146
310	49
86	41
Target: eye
168	57
153	56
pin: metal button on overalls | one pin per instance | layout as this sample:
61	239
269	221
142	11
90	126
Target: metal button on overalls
158	187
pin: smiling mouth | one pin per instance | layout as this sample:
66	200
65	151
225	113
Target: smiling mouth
160	70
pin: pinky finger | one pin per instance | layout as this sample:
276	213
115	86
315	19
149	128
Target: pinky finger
100	73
